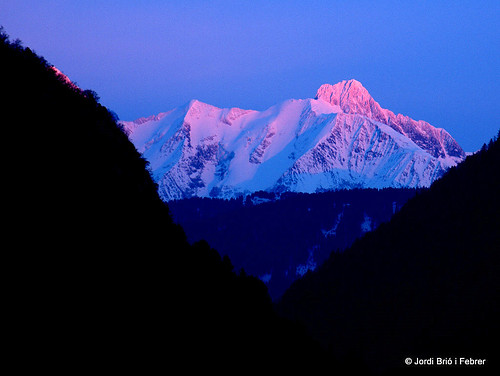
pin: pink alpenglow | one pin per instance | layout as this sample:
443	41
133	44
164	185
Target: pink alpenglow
353	98
342	139
64	78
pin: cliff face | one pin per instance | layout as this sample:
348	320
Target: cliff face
353	98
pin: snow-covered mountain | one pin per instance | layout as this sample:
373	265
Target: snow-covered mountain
340	139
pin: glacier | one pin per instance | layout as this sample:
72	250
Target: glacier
340	139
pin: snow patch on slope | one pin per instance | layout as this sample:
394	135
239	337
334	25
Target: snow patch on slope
341	139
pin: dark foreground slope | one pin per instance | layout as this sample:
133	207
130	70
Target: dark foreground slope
424	285
100	277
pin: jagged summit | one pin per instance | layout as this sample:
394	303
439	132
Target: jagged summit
342	91
353	98
197	104
341	139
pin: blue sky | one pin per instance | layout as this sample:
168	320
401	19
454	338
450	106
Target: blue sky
436	61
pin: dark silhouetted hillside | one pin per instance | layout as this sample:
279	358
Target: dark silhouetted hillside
426	284
279	240
101	279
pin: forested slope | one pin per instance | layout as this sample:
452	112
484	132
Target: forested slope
101	277
426	284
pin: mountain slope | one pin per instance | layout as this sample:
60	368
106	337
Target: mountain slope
353	98
424	285
98	275
341	139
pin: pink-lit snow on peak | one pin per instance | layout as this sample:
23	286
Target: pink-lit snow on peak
353	98
342	139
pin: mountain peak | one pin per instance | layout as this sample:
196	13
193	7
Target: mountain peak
342	139
195	103
351	84
341	88
351	97
196	109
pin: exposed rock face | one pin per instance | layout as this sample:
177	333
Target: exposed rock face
340	139
353	98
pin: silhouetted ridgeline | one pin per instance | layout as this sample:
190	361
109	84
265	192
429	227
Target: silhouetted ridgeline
424	285
103	279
